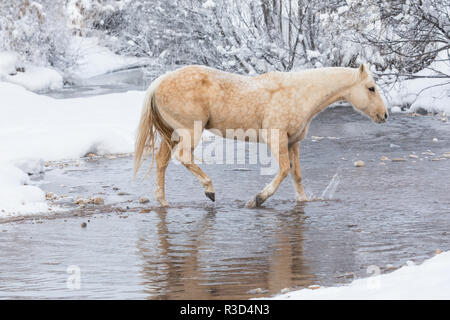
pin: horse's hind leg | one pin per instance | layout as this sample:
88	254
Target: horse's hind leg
162	161
279	149
185	154
203	178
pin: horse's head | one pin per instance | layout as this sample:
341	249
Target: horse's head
365	97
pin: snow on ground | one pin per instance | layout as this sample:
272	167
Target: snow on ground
430	280
30	77
8	62
94	59
16	195
431	94
34	128
434	99
37	79
90	60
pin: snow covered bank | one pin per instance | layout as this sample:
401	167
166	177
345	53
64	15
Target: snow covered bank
34	128
431	94
94	59
30	77
430	280
90	59
16	195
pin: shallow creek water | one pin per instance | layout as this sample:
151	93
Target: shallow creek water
383	214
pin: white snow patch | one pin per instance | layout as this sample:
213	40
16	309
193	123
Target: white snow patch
16	195
209	4
429	280
8	63
34	128
32	78
94	59
431	94
37	79
396	109
312	54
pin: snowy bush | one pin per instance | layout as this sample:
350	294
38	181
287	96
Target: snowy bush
245	36
411	34
36	30
399	37
87	16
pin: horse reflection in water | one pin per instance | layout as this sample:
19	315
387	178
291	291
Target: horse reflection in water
189	256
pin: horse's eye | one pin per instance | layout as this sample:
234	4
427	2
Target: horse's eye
372	89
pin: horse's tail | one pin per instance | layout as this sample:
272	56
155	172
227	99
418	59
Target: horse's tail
150	125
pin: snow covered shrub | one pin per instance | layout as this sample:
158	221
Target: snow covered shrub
36	31
87	16
245	36
175	30
406	36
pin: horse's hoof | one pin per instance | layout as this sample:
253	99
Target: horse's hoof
258	200
211	196
163	203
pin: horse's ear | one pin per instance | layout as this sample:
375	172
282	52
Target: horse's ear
362	71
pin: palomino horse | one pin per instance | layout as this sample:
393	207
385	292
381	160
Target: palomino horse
286	102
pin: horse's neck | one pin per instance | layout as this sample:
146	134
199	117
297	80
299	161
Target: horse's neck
330	85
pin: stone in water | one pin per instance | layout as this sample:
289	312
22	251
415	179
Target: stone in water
359	163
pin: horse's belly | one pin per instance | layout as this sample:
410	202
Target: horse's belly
238	127
233	118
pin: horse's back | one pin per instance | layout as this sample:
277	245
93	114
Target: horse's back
184	95
194	82
198	93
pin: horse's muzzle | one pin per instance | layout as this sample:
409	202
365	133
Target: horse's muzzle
382	118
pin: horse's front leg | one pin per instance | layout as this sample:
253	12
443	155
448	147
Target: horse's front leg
279	149
296	173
